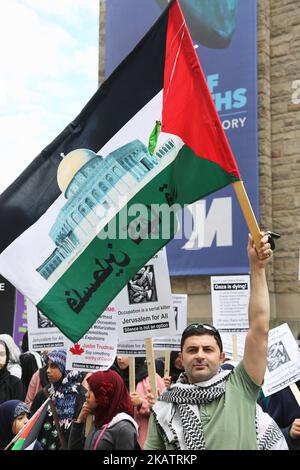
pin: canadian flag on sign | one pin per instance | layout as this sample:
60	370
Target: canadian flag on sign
77	349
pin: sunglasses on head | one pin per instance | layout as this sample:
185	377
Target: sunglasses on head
201	326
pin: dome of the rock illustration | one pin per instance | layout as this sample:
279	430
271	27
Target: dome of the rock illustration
70	165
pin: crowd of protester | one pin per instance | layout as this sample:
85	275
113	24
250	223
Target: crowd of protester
202	396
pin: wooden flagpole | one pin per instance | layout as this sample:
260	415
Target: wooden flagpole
247	210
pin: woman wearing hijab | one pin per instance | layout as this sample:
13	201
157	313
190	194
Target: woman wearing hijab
13	365
30	363
24	343
13	417
114	427
175	368
10	386
67	396
139	399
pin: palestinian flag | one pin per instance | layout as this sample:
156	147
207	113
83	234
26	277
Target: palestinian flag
26	438
88	212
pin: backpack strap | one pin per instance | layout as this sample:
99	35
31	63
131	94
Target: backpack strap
100	435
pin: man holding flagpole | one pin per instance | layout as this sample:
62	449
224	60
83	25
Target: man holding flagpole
215	409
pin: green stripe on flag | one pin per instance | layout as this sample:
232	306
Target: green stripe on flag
194	177
18	445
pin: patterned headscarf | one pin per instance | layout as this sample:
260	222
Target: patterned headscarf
21	408
9	410
111	395
59	357
66	391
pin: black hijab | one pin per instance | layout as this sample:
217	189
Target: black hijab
174	371
141	371
29	367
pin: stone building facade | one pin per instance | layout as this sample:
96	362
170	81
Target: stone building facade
278	49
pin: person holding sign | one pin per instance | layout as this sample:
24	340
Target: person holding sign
285	410
215	409
175	368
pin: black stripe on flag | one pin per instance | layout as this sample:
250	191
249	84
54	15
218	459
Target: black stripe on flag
132	84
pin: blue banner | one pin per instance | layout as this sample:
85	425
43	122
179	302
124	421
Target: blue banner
224	35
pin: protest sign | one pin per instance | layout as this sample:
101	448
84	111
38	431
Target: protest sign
283	362
144	305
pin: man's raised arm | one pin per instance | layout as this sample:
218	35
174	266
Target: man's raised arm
256	345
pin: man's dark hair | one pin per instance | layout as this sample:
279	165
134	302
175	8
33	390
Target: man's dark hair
200	329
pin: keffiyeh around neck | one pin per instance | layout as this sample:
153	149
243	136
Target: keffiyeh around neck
180	422
176	412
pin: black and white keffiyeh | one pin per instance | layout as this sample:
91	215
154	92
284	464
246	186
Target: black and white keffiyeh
269	435
176	413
